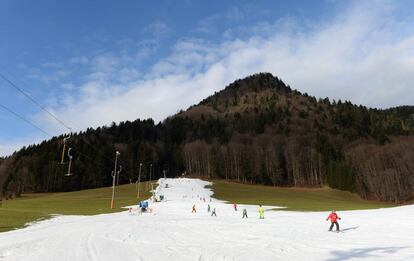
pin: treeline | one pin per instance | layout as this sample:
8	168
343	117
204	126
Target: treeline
385	172
257	130
38	168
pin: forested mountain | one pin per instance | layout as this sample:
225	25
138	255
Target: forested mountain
256	130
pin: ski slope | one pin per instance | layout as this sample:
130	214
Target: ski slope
172	232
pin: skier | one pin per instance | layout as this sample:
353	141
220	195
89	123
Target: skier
213	212
194	209
261	212
235	206
208	208
245	213
333	217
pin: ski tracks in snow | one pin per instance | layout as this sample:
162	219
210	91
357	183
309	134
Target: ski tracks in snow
173	233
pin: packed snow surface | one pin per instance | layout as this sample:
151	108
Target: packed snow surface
172	232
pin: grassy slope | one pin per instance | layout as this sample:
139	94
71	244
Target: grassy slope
301	199
17	212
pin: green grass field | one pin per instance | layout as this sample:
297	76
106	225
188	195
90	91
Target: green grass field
298	199
17	212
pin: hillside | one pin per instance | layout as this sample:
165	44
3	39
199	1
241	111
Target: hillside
261	131
256	130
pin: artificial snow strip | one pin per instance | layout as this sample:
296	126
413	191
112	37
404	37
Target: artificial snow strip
172	232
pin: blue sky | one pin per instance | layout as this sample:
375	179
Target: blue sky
94	62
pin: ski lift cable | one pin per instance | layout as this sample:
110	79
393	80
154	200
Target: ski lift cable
24	119
40	129
33	100
28	96
9	81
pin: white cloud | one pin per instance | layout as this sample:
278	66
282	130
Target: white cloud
358	56
157	29
365	54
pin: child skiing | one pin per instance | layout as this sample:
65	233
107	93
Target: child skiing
333	217
235	206
208	208
245	213
213	213
261	212
194	209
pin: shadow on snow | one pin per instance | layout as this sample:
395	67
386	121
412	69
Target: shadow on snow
349	228
364	253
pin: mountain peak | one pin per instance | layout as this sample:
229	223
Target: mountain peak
253	83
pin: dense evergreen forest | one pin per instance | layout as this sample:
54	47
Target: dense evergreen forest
256	130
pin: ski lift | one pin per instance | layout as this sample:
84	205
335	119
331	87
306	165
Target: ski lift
117	174
64	148
70	163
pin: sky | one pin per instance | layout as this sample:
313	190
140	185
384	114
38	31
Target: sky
91	63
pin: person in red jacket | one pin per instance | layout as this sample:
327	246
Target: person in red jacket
334	220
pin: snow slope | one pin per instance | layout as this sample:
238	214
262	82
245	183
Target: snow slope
172	232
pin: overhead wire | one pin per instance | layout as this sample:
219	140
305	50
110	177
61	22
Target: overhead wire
33	100
12	83
24	119
28	96
45	132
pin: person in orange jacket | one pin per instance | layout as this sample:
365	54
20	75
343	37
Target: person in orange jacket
334	220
